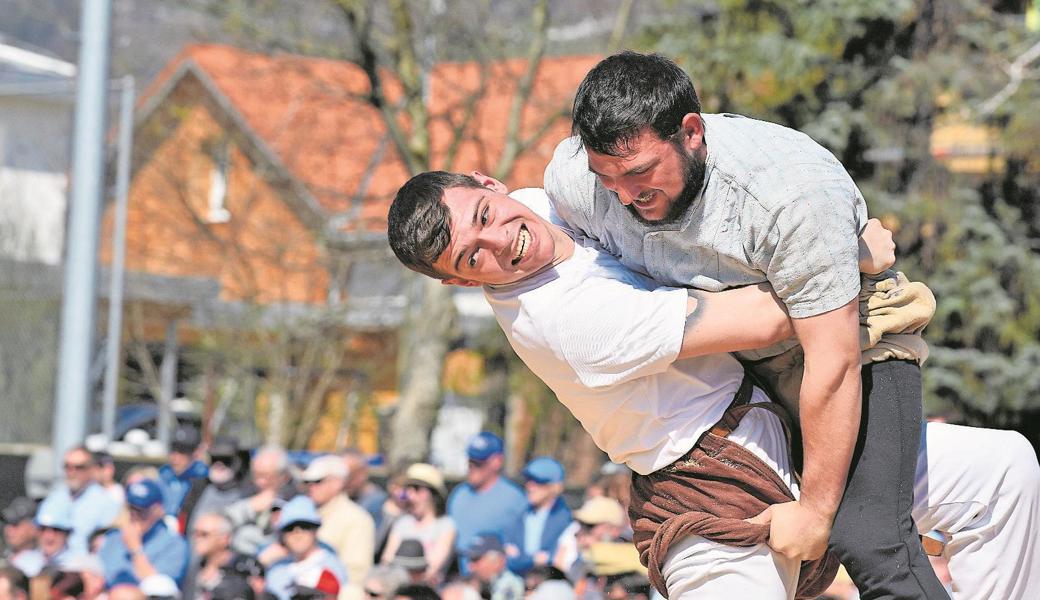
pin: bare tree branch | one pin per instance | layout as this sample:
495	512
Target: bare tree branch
535	52
359	17
1017	73
620	24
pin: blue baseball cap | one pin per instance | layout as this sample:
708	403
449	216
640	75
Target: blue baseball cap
483	446
144	493
300	509
484	543
55	513
544	469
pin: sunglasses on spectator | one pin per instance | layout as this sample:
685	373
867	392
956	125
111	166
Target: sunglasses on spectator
300	526
315	482
76	466
477	463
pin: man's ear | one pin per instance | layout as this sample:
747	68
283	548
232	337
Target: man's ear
693	126
459	282
490	182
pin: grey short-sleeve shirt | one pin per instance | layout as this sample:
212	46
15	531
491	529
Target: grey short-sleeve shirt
776	206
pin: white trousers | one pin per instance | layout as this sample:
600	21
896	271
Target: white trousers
980	486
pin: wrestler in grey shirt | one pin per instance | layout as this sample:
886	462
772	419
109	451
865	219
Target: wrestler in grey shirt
775	206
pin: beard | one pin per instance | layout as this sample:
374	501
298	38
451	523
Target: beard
693	180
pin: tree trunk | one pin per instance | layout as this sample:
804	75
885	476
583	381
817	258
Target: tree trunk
277	412
426	337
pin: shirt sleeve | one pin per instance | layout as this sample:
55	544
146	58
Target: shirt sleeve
620	331
571	187
810	251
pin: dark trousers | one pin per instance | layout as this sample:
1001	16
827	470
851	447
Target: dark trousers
874	535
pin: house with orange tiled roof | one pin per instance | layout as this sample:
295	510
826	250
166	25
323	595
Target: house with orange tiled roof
270	176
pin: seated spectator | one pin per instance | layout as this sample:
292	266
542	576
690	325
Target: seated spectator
304	561
314	585
223	484
126	591
411	557
532	538
105	475
233	587
382	580
212	556
487	562
552	589
416	591
159	587
54	523
91	573
460	590
145	545
176	477
540	574
20	537
251	518
360	489
65	585
395	506
486	501
346	527
425	521
605	549
628	586
14	585
90	506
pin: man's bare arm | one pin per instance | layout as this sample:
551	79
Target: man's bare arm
734	320
830	404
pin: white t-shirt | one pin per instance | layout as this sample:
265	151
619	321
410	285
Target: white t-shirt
605	340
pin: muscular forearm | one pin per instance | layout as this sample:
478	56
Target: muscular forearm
830	403
830	413
734	320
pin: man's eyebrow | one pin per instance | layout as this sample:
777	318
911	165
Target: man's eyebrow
473	222
650	163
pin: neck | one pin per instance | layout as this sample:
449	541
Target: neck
544	504
487	484
218	558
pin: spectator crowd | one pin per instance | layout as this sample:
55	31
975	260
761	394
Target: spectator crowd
229	524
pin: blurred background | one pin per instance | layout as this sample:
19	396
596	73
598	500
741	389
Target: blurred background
258	297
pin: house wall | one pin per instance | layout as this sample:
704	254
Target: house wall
262	254
34	142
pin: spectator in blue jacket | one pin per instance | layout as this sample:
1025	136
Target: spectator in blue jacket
486	502
531	540
144	547
177	476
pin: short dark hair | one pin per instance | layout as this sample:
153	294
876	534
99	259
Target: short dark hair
419	224
626	93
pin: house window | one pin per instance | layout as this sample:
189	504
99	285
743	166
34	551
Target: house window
218	186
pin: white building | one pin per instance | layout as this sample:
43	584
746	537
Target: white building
36	108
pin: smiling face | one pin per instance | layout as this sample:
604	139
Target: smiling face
495	239
657	179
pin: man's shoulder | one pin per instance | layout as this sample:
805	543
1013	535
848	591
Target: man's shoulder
776	166
509	489
570	185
